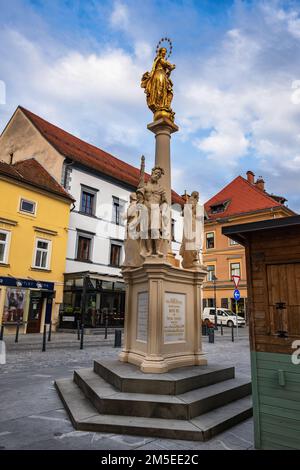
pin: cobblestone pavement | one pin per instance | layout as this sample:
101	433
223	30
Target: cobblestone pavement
32	415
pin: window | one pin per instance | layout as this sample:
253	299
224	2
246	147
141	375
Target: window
210	240
173	230
235	269
118	208
87	203
84	244
232	242
211	272
224	303
4	244
27	206
115	254
42	253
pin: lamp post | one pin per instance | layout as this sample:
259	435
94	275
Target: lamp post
214	278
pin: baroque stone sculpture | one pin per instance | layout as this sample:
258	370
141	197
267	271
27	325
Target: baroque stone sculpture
191	241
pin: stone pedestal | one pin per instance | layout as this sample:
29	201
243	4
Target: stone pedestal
163	317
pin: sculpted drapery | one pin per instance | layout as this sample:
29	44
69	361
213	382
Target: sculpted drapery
159	87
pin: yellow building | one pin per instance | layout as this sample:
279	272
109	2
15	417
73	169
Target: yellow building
34	217
241	201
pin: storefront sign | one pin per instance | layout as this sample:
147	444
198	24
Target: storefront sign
142	316
26	283
174	317
68	318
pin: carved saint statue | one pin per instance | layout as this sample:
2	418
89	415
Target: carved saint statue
132	239
159	87
155	199
192	239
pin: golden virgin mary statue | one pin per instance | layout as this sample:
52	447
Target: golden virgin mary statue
159	87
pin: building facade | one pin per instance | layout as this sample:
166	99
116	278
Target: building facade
34	219
101	185
241	201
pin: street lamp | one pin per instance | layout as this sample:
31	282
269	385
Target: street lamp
214	278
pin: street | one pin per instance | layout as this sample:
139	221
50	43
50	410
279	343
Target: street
32	416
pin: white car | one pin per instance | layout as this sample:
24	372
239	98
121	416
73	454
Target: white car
224	316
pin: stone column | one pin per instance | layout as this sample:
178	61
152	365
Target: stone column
163	128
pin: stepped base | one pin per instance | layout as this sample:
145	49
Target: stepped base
192	403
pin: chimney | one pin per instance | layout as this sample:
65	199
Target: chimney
250	177
260	184
11	155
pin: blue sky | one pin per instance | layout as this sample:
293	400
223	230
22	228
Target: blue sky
236	84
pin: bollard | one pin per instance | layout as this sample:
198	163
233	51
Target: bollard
17	332
221	329
78	330
232	333
211	335
49	331
1	332
81	337
106	324
118	338
44	338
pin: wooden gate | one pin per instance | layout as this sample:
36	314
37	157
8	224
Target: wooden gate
284	299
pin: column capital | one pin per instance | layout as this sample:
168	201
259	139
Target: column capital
163	124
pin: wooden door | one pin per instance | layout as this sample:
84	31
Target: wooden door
35	313
284	299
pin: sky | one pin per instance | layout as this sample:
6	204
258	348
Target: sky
78	64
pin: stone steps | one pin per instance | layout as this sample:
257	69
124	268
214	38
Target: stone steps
128	378
107	399
85	417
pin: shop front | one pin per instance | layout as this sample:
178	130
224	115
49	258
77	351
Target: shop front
96	300
27	302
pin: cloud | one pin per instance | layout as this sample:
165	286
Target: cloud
120	16
236	85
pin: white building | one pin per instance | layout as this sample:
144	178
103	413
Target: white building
101	184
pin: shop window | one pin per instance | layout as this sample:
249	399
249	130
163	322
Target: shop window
27	206
224	303
115	254
4	245
210	240
84	248
210	302
118	209
42	254
211	272
235	269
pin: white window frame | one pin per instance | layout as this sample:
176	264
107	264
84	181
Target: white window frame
206	238
235	262
31	202
209	272
7	246
49	252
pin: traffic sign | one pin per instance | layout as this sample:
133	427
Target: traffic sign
236	279
237	294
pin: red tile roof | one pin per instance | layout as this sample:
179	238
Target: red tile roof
31	172
88	155
241	197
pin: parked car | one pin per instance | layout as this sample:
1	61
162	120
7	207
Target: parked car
224	316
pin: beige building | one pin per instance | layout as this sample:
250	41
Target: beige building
241	201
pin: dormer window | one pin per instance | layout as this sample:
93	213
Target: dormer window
219	208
